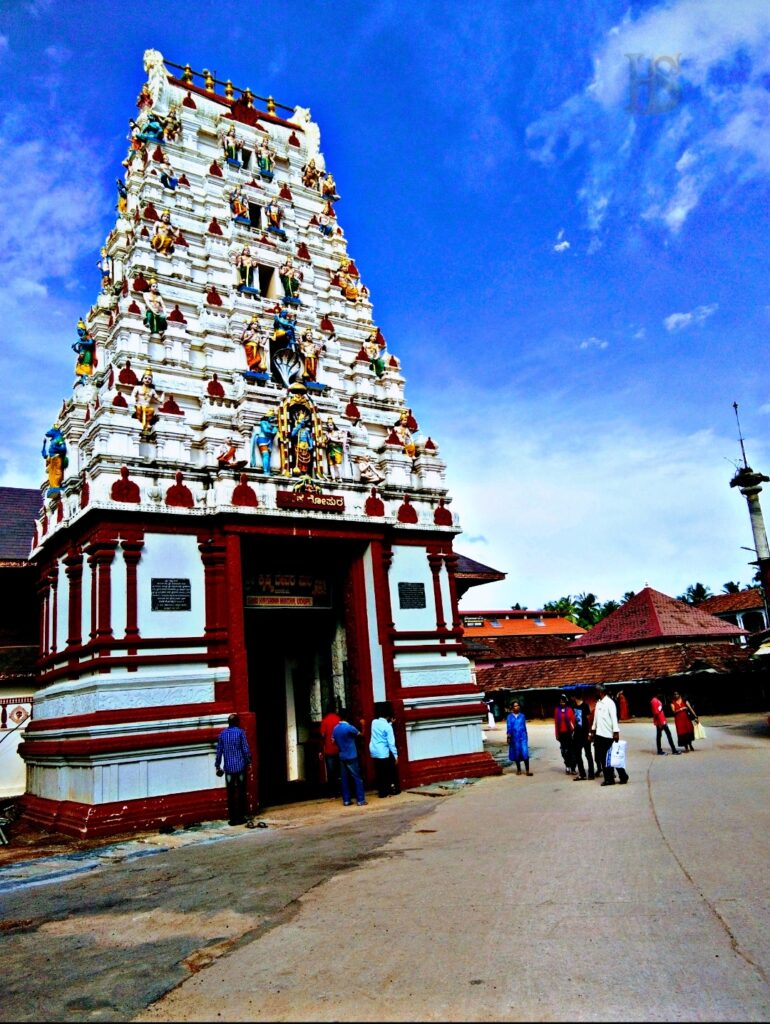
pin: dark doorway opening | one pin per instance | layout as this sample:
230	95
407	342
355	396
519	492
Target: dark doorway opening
297	647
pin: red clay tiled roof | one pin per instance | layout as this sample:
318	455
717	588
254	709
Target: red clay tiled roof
616	667
518	648
19	507
651	615
742	602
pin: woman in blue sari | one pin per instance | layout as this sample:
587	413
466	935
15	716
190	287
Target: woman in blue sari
518	746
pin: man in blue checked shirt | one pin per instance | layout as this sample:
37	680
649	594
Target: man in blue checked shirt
232	759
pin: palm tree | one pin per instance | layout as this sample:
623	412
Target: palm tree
627	596
565	606
607	608
588	610
695	593
731	588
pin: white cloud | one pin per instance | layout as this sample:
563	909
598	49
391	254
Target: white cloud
584	499
3	44
49	220
594	343
697	316
716	132
561	244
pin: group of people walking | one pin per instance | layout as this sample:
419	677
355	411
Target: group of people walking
595	734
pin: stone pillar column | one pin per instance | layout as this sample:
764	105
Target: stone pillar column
132	552
451	561
73	566
435	561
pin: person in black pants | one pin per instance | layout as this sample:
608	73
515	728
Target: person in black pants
604	732
580	740
232	759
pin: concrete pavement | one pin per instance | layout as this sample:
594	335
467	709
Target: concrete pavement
535	899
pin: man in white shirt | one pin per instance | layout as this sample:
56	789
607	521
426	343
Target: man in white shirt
605	732
382	748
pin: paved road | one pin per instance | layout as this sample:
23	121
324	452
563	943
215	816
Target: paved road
517	898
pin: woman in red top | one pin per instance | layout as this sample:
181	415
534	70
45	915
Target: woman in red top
330	751
684	717
564	727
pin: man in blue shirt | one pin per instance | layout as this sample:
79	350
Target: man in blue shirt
382	747
344	735
232	759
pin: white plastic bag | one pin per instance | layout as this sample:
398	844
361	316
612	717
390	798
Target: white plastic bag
616	755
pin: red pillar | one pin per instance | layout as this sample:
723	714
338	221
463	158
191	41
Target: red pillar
74	568
132	552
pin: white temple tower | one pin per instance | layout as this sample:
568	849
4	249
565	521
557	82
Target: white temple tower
262	526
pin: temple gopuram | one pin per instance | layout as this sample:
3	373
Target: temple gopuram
242	513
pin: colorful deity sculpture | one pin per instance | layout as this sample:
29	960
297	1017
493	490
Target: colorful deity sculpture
265	161
122	204
329	188
163	241
274	216
291	279
155	310
145	401
348	286
262	441
153	129
285	329
106	266
239	206
367	471
144	99
335	442
172	124
302	445
404	434
325	225
245	269
375	351
311	175
255	345
55	455
85	347
232	146
166	174
310	350
228	457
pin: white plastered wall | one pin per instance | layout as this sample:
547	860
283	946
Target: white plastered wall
170	556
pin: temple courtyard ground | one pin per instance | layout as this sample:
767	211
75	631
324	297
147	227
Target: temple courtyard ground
510	898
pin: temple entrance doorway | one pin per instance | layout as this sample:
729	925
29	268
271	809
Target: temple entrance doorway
297	649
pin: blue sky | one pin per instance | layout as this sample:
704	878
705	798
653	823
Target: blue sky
577	291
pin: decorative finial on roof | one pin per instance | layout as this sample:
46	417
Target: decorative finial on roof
208	80
270	105
187	74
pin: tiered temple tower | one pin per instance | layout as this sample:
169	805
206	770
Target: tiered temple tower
242	513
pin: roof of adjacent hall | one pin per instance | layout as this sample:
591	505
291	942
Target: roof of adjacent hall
513	622
743	601
19	508
639	665
653	616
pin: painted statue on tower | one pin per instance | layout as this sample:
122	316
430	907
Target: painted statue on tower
55	455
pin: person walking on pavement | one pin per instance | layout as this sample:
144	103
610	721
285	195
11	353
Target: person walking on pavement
232	759
330	751
684	720
382	747
564	727
604	733
344	735
580	742
518	741
661	726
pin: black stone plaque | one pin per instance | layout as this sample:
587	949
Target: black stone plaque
411	595
170	595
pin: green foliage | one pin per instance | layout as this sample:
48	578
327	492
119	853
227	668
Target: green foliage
695	593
